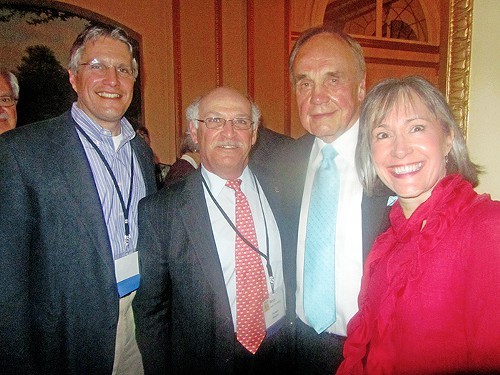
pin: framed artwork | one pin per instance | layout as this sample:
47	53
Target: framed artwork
35	46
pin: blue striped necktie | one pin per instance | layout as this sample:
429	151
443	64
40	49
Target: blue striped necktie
319	261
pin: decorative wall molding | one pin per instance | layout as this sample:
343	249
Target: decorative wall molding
287	94
401	62
176	27
219	79
458	60
250	49
397	44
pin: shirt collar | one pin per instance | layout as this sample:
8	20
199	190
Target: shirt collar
190	160
216	184
97	132
345	145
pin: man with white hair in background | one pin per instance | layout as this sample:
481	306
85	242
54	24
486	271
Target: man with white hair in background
9	95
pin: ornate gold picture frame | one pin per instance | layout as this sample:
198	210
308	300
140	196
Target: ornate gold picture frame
459	57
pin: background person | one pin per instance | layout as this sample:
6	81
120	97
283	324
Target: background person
68	267
264	153
9	95
327	70
187	163
161	169
430	295
190	307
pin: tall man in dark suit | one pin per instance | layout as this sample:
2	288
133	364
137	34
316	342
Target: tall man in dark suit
191	305
69	190
327	70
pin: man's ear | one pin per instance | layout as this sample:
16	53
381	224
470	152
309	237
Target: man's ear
362	89
193	131
72	79
254	135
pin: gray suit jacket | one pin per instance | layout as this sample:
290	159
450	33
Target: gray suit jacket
59	303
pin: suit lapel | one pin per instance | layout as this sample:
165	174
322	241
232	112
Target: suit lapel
295	179
146	163
375	219
196	219
81	192
270	185
303	148
272	188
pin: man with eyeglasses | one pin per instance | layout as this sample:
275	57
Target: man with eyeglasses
212	294
9	95
70	188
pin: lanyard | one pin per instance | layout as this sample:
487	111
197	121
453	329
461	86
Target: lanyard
265	256
125	208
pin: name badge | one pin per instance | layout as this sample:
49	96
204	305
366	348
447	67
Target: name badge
127	273
274	311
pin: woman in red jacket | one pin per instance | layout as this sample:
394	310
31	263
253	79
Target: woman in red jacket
430	295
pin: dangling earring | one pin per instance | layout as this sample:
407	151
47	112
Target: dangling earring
446	159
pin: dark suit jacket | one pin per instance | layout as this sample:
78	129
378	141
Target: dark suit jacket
182	312
266	150
178	170
59	301
295	159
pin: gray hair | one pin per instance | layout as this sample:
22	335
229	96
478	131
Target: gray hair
326	29
91	34
193	110
11	78
187	144
381	99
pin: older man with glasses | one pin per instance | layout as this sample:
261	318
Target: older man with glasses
9	95
212	294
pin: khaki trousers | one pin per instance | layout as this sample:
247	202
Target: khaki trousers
128	360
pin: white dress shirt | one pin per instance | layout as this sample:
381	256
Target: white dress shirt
225	237
190	160
348	239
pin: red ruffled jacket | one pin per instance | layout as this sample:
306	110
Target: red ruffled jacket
430	298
